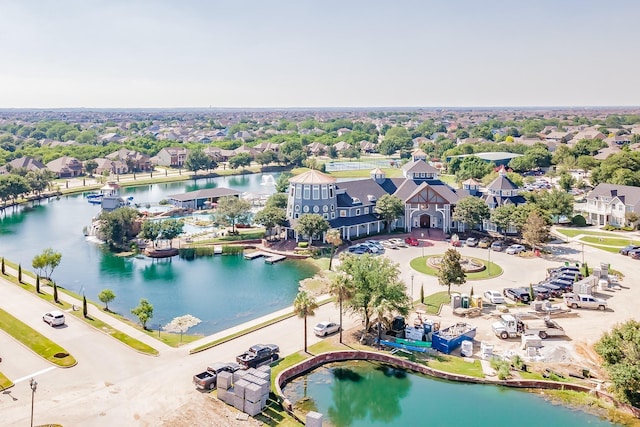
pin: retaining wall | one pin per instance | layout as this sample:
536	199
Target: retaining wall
341	356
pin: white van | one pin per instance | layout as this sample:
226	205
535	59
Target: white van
54	318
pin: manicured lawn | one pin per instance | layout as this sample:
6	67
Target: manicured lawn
33	340
4	382
434	301
449	179
457	365
573	232
493	270
609	241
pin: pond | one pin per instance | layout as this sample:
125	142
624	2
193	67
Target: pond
361	393
175	286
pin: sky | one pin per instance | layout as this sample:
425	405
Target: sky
326	53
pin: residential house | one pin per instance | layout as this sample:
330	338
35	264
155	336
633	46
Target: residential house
65	167
111	166
171	156
136	161
500	192
557	136
27	162
341	146
367	147
609	203
317	149
111	137
343	131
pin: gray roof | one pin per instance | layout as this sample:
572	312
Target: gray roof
208	193
629	195
502	182
419	166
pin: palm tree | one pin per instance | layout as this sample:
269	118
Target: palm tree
342	289
304	305
333	237
381	310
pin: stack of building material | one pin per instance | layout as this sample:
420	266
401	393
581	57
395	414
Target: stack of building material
247	390
224	382
313	419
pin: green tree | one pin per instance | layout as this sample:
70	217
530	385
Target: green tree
311	225
46	262
144	312
55	292
150	230
566	181
270	217
471	211
198	160
170	229
450	271
3	267
19	273
181	324
334	238
85	309
106	296
240	160
503	217
620	350
341	288
282	184
473	167
90	166
304	305
116	227
557	203
232	210
389	207
277	200
373	279
37	284
535	231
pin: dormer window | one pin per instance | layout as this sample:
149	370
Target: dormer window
355	200
371	197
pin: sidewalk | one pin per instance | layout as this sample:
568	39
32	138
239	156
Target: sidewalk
92	311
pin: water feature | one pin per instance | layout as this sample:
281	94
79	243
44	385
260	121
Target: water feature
268	180
175	286
370	394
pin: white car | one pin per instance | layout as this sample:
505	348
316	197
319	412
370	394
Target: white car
54	318
325	328
515	249
494	297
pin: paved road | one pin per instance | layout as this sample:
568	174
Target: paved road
113	384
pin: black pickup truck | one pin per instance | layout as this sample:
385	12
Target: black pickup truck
517	294
258	355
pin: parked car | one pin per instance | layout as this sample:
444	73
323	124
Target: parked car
485	242
584	301
541	292
398	242
563	268
554	290
412	241
566	285
568	277
494	297
515	249
628	248
389	244
54	318
517	294
635	254
497	246
358	249
471	242
456	243
325	328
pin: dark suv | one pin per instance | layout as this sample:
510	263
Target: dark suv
517	294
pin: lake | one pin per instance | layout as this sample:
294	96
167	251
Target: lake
222	291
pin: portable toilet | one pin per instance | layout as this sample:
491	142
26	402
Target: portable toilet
476	301
466	349
455	301
464	301
486	350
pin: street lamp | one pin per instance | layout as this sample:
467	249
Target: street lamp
422	238
489	262
582	252
412	286
34	386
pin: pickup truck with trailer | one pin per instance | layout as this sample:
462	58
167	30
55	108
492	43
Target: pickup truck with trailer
207	380
584	301
258	355
509	326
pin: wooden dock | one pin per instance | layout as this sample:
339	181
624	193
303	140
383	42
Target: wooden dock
274	258
269	258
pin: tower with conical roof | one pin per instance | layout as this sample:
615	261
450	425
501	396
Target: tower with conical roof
312	192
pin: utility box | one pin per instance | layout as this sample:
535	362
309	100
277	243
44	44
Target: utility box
455	301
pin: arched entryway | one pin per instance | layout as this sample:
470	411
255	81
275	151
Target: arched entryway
425	221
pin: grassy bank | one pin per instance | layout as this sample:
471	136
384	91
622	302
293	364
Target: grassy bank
493	270
36	342
5	382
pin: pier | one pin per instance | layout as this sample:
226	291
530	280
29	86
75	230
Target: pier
269	258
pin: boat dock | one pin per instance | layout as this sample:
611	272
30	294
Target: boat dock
269	258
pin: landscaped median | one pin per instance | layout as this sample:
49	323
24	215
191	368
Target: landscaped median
35	341
64	306
5	382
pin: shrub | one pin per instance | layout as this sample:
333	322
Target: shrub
303	244
579	221
232	250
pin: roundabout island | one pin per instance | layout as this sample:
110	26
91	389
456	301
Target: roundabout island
474	268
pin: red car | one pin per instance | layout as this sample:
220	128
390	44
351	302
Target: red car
412	241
